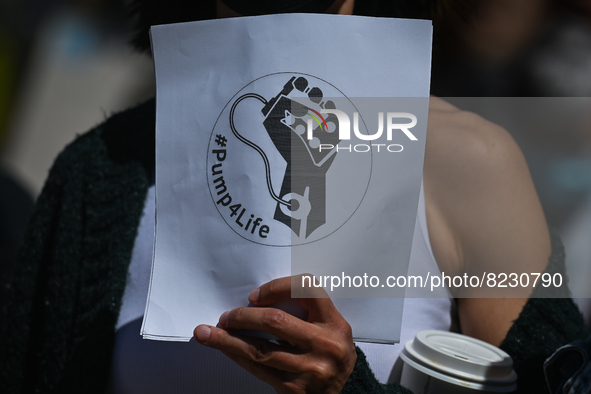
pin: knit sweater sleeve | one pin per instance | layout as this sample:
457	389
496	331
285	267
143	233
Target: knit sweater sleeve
57	324
544	325
28	302
363	381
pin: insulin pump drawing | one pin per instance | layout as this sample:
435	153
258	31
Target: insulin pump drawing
283	134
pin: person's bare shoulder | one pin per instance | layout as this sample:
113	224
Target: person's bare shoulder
480	196
483	212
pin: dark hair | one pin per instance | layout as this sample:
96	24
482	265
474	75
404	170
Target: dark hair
146	13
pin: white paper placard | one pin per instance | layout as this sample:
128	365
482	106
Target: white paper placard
211	252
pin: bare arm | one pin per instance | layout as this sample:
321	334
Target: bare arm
483	212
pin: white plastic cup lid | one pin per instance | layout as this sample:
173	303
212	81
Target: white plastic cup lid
462	356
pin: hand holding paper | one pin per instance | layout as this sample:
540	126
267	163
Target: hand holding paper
322	353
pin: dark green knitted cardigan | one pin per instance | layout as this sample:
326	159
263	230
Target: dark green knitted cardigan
57	327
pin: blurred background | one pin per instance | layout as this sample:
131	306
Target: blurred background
65	65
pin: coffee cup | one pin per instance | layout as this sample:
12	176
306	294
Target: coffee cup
444	362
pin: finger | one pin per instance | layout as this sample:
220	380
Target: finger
320	306
272	320
280	289
271	292
257	350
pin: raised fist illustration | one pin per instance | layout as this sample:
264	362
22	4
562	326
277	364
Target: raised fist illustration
294	121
